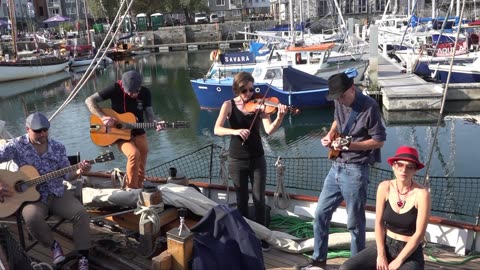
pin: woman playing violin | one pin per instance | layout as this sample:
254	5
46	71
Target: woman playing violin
246	154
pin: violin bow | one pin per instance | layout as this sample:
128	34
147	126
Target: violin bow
258	111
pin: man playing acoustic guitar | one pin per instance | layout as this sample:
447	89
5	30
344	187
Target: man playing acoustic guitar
356	116
128	95
35	151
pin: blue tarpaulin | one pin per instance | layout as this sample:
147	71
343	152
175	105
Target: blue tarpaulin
295	80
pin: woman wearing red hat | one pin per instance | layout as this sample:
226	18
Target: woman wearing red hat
402	211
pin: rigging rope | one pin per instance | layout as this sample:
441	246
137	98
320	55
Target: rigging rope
223	173
426	179
90	71
281	193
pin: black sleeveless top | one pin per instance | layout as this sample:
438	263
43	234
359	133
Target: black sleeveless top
252	147
404	224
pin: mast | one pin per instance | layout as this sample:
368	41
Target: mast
292	27
86	21
11	14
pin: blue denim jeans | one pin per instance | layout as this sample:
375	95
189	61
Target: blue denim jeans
345	181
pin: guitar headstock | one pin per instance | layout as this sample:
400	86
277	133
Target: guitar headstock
104	157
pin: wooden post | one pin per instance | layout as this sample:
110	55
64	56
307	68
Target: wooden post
180	246
148	197
162	261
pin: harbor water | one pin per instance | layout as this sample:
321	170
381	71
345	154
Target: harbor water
168	74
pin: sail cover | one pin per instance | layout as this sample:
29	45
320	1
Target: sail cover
295	80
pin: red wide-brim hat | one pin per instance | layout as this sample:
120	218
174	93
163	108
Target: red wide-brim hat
406	153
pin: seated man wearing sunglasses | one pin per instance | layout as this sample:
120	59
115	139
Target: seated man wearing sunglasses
46	155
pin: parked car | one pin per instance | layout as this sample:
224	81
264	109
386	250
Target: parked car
214	18
200	17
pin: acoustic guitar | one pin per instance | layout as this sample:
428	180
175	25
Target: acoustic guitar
341	142
102	135
24	182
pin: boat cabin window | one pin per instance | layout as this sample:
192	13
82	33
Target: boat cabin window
273	74
299	60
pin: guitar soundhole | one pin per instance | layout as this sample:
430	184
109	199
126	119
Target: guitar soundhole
20	186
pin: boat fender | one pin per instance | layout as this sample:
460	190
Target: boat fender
214	55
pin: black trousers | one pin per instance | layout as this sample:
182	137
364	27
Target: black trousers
252	171
367	258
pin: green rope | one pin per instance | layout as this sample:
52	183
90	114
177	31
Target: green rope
297	227
302	228
466	259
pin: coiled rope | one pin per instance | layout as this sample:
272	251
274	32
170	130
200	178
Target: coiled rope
41	266
150	214
304	229
281	199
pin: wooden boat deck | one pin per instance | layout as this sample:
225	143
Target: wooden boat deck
108	243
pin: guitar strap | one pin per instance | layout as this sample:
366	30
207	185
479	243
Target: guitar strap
353	113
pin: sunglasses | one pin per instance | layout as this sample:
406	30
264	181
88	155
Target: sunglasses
40	130
401	166
245	90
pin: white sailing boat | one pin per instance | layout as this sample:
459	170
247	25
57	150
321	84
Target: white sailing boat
14	68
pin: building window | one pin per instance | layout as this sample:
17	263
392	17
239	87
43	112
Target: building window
40	11
363	6
381	4
5	9
71	10
220	2
322	8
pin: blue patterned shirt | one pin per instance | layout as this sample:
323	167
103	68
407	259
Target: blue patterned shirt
21	151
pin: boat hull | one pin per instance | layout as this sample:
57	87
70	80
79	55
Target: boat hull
19	71
460	74
212	93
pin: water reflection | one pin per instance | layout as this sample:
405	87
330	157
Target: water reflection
168	74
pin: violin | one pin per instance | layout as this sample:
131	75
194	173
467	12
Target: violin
267	105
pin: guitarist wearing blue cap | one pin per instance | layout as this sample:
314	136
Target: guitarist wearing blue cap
127	96
38	186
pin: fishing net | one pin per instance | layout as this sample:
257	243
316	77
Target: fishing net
17	258
455	198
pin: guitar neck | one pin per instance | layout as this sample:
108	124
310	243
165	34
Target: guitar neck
56	174
138	125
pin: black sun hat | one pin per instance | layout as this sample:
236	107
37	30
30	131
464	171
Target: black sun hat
337	85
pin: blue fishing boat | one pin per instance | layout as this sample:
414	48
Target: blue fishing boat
291	86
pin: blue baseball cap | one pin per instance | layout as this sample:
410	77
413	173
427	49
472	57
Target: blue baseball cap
131	81
37	121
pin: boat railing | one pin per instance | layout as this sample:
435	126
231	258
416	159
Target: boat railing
453	198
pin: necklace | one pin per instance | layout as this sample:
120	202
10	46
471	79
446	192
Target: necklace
401	203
